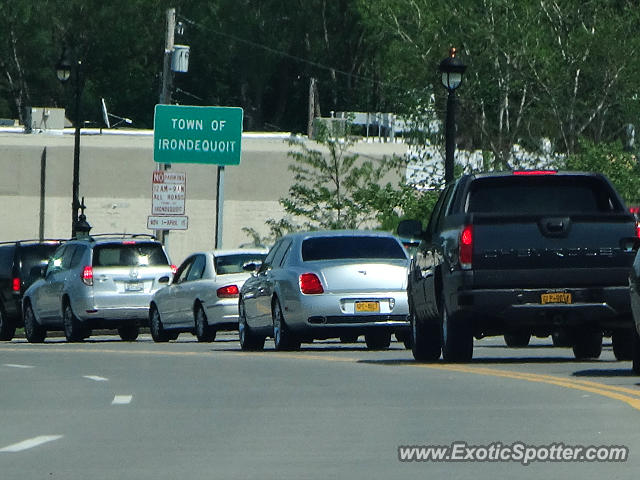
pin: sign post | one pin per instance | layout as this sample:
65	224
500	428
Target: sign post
205	135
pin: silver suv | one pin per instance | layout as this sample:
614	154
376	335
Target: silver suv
104	281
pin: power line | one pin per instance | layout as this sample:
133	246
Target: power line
292	57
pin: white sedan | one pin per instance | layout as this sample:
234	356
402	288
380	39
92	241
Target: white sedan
203	297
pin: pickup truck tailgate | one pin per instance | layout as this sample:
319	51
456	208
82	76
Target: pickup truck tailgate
547	250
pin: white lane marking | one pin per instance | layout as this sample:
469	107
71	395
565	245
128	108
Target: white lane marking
122	399
15	365
96	378
30	443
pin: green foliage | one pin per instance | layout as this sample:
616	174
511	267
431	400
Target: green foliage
333	188
621	167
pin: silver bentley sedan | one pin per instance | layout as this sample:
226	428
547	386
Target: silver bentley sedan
203	297
327	284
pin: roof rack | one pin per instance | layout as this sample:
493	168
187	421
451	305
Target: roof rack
38	240
123	235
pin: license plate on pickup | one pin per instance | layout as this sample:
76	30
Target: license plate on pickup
367	307
133	286
555	297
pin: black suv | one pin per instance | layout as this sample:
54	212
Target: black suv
21	264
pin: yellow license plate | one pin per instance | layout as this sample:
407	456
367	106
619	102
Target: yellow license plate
367	307
555	297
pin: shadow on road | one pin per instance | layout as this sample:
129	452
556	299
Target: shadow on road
618	372
493	361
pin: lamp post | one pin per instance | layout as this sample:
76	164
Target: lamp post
64	69
452	69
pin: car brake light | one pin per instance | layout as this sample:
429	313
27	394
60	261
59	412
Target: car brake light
129	242
638	229
15	284
310	284
174	269
87	275
466	246
230	291
535	172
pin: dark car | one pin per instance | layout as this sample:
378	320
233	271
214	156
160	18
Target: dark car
21	264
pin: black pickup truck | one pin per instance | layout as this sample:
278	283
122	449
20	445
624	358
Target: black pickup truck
518	254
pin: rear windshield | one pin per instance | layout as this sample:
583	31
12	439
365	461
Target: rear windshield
544	194
233	263
129	255
35	256
332	248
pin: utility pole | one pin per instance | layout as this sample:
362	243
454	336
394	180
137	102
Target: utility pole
167	87
314	105
167	73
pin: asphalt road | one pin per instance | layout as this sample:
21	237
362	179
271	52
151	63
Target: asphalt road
106	409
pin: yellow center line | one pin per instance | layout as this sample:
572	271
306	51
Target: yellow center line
627	395
609	391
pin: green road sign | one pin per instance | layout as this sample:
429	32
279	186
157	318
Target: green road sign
188	134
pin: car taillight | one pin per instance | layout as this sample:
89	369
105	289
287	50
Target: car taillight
535	172
466	246
230	291
638	229
310	284
87	276
174	269
15	284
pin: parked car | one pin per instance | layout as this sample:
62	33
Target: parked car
21	264
104	281
203	297
326	284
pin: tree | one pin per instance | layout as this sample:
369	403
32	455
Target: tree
536	69
610	159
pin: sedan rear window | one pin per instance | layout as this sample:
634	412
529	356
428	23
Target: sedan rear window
133	255
334	248
233	263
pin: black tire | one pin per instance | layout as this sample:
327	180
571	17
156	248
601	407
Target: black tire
517	339
283	338
635	364
377	340
349	338
562	338
158	333
249	342
622	341
456	337
204	332
7	327
34	332
587	344
425	340
73	329
128	333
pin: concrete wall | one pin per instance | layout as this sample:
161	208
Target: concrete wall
115	179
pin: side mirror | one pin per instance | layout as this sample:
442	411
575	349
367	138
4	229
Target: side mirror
164	279
251	267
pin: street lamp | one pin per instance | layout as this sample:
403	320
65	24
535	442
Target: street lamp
65	67
452	69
